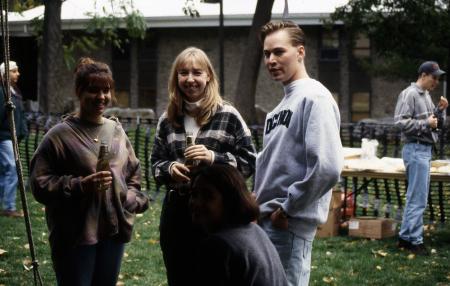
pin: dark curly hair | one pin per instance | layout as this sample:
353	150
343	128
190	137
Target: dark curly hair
92	73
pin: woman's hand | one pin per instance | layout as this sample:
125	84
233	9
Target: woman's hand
199	152
178	172
99	181
279	219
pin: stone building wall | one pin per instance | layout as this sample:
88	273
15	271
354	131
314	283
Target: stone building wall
171	41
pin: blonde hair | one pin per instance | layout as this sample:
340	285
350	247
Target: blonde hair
211	100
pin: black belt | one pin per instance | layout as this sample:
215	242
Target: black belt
417	141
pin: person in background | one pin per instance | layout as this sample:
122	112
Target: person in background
417	118
8	172
89	207
302	157
237	251
219	136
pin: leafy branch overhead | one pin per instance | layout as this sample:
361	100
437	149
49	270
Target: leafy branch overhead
115	27
403	33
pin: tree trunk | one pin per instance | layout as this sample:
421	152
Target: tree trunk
134	73
51	60
250	63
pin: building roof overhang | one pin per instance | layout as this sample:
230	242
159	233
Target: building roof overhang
75	14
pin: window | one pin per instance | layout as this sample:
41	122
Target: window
360	83
329	49
362	47
360	106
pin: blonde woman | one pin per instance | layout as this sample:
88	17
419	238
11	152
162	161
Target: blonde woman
220	136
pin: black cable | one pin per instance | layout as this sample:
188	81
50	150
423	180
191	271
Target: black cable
9	106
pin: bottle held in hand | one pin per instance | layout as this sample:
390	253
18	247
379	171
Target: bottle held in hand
189	143
440	122
103	160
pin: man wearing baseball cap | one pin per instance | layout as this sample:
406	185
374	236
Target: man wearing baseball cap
8	173
417	118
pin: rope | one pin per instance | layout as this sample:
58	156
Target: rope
9	106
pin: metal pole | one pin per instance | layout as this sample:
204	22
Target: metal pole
221	50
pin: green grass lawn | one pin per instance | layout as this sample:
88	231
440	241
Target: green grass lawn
336	261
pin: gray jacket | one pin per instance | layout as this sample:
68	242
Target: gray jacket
414	106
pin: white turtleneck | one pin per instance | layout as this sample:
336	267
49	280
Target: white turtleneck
190	124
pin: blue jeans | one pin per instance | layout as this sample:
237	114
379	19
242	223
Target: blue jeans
86	265
8	176
417	158
294	252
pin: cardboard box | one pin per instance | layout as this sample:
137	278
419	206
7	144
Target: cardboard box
336	199
331	227
372	227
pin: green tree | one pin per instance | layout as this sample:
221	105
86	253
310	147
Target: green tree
21	5
56	45
403	33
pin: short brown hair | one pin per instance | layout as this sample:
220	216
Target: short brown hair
295	33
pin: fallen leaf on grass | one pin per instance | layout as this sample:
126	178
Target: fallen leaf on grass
411	256
433	251
379	267
2	271
125	254
139	215
380	252
328	280
2	251
27	264
26	246
153	241
120	283
328	253
135	277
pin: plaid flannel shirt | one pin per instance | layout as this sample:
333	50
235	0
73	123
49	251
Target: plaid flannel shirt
226	134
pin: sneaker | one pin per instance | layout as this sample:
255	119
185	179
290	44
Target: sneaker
9	213
401	243
419	249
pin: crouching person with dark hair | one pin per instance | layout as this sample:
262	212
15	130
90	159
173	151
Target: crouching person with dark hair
237	251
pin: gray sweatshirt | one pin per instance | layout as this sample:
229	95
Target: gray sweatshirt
302	156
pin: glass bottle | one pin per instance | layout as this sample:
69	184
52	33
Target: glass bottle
103	162
103	158
189	143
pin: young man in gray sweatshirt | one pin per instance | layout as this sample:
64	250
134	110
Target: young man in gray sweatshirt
302	155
